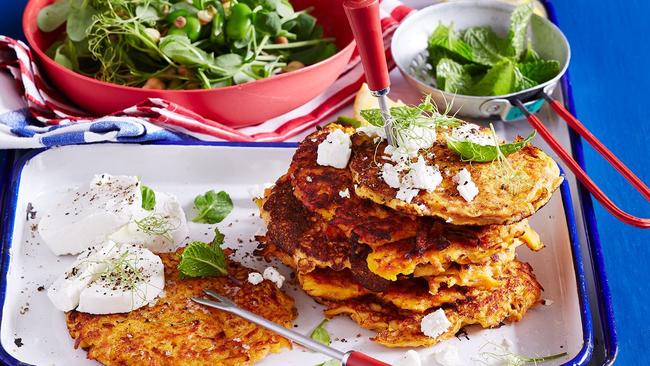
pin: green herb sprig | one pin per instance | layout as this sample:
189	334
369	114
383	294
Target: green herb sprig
502	354
204	259
148	197
320	334
212	207
471	151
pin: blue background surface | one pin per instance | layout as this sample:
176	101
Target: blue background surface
611	44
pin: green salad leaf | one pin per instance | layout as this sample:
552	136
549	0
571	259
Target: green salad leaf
320	334
148	197
540	71
476	61
452	77
204	260
53	16
470	151
485	45
518	28
212	207
80	19
499	80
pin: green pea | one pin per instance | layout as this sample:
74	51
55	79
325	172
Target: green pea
217	34
171	17
239	22
192	28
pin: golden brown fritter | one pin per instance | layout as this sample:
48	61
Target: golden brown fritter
177	331
488	308
303	235
505	196
497	243
319	189
410	294
432	248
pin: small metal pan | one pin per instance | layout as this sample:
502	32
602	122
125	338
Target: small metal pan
409	52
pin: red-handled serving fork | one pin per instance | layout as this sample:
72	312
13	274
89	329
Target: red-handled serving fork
351	358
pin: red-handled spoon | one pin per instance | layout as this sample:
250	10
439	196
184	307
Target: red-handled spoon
350	358
363	16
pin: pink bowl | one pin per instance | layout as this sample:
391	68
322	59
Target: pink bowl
236	106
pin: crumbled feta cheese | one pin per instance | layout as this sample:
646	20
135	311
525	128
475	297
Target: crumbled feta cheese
449	220
335	151
466	187
446	356
255	278
390	175
345	193
472	133
309	179
274	276
435	323
407	194
410	358
423	176
548	302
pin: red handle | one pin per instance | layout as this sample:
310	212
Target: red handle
598	146
363	16
355	358
580	174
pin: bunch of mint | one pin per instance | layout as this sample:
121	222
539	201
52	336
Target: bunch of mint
476	61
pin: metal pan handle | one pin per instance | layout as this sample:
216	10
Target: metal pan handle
580	174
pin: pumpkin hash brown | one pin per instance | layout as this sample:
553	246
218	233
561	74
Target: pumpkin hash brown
506	194
177	331
488	308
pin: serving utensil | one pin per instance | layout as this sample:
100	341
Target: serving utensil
408	49
363	16
350	358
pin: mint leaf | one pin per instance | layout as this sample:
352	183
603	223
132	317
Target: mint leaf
148	197
373	116
530	55
519	20
522	82
540	71
499	80
445	43
452	77
213	207
202	260
331	362
485	44
218	238
470	151
320	334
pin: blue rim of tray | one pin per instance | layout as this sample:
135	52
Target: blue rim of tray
604	295
603	292
9	216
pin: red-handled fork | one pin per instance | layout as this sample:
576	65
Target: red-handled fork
351	358
363	16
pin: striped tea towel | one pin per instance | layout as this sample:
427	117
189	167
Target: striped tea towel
33	115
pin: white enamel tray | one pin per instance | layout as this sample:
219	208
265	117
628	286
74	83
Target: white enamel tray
30	321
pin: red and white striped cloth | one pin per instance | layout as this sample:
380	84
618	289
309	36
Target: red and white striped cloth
51	109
